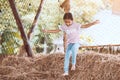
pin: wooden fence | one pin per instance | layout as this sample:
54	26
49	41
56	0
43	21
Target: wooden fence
111	49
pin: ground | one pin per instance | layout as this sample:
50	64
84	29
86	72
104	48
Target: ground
90	66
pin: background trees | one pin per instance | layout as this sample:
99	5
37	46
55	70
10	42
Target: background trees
50	18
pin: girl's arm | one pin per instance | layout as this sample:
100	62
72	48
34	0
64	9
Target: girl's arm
90	24
51	31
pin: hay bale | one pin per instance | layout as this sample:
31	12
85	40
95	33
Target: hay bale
90	66
2	56
5	70
16	61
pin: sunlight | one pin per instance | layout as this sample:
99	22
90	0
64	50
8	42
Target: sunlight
107	32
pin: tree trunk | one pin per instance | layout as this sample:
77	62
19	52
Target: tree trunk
66	6
21	29
35	19
32	28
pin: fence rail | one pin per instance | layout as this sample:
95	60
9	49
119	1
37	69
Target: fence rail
111	48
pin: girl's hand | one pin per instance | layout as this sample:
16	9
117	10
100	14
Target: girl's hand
45	31
96	22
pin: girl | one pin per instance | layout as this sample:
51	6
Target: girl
72	30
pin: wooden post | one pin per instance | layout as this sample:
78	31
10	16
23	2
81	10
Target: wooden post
35	19
116	7
66	6
21	29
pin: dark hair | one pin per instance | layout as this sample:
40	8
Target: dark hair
68	16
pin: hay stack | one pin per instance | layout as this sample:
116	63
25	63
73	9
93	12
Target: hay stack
90	66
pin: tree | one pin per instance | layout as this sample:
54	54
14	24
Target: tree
83	11
20	27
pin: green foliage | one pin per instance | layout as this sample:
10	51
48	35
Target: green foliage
9	41
50	17
6	16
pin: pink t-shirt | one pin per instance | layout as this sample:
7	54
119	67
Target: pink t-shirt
73	32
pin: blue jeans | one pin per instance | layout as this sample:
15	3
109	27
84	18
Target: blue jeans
72	47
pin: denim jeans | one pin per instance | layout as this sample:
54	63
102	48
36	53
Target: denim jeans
71	48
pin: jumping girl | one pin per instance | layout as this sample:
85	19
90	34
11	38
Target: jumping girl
72	30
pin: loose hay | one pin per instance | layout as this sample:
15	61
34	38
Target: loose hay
90	66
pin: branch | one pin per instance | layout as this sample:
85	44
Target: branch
20	27
35	19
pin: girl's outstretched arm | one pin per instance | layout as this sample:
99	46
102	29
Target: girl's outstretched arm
90	24
51	31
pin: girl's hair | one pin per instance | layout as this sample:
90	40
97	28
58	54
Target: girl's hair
68	16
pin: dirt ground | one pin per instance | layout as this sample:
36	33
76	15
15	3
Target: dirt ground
90	66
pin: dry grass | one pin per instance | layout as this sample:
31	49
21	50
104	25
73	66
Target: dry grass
90	66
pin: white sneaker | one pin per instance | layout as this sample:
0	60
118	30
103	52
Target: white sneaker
65	74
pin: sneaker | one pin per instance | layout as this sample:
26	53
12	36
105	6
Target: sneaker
65	74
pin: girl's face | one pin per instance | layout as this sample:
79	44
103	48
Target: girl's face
68	22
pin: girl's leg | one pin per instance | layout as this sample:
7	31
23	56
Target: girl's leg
74	49
67	58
